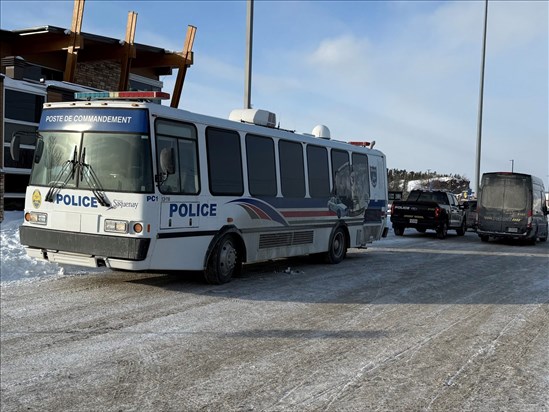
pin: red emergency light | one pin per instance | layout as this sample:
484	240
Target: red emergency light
138	95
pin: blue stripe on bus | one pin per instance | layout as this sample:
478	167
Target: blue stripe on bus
100	120
264	207
312	203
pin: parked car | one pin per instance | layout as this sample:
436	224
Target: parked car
470	209
428	209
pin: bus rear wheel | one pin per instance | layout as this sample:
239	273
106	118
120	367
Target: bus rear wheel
337	247
224	262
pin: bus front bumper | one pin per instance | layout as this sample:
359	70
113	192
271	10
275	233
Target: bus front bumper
84	249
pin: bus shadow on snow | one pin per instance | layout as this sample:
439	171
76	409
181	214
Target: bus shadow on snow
377	278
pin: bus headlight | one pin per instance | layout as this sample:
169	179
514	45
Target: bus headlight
118	226
35	217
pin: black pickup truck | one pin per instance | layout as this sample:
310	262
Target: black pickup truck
428	209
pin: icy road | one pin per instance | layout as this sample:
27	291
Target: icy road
413	323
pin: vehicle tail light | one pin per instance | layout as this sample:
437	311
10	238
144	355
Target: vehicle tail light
392	208
437	212
530	214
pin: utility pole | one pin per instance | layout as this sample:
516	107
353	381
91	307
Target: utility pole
481	99
248	64
512	165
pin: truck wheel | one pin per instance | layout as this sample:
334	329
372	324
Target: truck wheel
484	238
337	247
399	231
224	261
442	230
461	230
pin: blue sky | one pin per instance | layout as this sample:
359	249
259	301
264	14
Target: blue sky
403	73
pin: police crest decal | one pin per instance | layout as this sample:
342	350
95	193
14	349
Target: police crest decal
36	198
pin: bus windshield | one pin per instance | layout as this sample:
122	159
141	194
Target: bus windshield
505	192
121	162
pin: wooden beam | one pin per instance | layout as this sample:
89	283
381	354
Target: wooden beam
106	52
129	52
72	50
187	50
39	45
167	60
173	60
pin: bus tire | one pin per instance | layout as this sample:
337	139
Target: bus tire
224	262
337	248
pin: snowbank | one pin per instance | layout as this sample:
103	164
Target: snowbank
16	265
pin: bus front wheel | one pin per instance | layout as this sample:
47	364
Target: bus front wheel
224	261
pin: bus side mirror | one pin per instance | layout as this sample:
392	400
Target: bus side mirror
15	146
39	150
166	161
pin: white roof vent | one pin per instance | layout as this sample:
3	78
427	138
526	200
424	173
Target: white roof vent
254	116
322	132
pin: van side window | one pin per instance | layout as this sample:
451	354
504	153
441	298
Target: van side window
537	204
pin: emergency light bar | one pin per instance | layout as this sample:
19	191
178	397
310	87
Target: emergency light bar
121	95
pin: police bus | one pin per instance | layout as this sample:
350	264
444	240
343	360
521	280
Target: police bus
123	182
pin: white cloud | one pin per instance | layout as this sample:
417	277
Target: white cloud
515	24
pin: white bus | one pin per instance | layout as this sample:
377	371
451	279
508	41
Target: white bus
129	184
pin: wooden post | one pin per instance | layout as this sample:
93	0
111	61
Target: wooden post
75	41
128	53
186	62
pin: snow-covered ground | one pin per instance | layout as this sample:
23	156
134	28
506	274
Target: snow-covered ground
16	265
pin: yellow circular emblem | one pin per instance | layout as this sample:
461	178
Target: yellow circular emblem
36	198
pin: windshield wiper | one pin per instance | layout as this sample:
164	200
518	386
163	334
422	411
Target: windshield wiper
68	170
92	180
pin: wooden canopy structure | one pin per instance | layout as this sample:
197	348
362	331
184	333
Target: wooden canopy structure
64	50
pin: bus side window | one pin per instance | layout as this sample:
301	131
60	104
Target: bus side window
224	162
317	167
181	138
171	181
261	165
292	171
189	166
